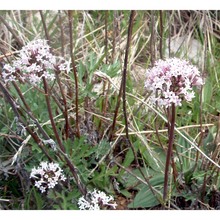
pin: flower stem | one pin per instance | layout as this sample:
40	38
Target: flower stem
70	164
46	89
169	151
122	91
70	15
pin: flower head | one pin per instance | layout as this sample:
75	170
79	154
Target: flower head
47	175
95	201
35	61
172	81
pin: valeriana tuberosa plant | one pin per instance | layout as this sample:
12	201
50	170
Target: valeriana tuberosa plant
171	81
36	65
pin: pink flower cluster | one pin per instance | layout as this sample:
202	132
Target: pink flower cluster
47	175
96	200
172	81
34	62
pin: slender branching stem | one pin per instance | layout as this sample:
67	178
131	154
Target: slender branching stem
74	171
115	114
65	111
104	103
161	34
45	27
152	39
122	90
169	151
70	15
152	60
123	86
62	149
201	95
47	97
62	40
124	76
106	36
169	35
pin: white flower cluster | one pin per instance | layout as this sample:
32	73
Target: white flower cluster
171	81
34	62
95	201
47	175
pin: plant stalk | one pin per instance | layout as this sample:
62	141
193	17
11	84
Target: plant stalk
70	15
45	27
122	91
51	115
161	34
169	151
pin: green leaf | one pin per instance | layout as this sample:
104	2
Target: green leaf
209	143
184	153
38	199
102	149
145	198
126	193
129	157
34	197
207	92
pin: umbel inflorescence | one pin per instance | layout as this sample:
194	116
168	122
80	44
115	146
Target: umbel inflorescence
172	81
96	200
47	176
35	61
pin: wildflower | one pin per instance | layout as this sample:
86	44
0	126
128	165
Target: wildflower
95	201
172	81
34	62
47	175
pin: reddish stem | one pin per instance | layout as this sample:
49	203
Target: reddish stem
169	151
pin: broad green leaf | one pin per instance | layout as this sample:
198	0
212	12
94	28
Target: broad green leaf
145	198
129	157
207	92
184	153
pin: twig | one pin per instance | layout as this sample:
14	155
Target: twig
124	76
161	34
152	39
169	151
106	36
61	33
122	91
169	35
45	27
65	112
201	94
47	95
70	14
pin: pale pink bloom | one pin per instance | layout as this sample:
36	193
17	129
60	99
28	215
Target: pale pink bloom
96	201
47	175
171	81
34	61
